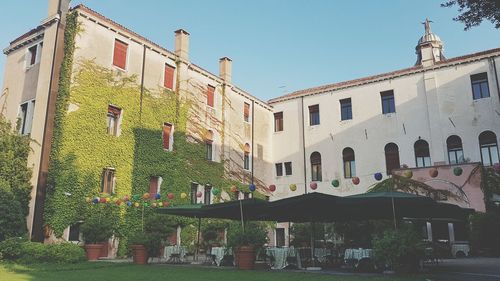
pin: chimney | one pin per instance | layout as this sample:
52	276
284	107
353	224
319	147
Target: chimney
225	69
182	44
58	7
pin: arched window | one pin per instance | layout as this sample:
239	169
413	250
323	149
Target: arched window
455	150
422	154
209	139
349	163
246	157
315	166
391	157
489	148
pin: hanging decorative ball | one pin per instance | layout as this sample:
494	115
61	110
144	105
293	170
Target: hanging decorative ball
293	187
313	185
234	189
165	204
199	194
146	195
378	176
136	197
335	183
118	202
126	198
355	180
146	204
108	199
408	174
496	167
272	188
433	172
457	171
215	191
87	199
95	200
252	187
184	195
153	205
157	196
136	204
102	200
170	196
129	203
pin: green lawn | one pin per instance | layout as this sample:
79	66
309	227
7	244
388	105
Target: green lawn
123	272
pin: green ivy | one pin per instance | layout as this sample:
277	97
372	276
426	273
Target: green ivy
81	148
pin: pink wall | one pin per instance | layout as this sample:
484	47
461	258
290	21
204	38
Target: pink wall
467	186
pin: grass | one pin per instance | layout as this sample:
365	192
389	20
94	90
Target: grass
113	271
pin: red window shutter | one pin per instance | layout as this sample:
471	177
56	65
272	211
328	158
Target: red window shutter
246	111
168	81
120	54
153	185
167	128
210	96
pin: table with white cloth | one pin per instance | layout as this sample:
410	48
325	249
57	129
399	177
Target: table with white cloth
283	256
219	253
357	254
175	253
322	254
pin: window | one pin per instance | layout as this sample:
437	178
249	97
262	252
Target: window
74	232
155	184
32	55
314	115
246	112
280	237
391	157
120	54
168	79
345	109
480	87
422	154
246	157
114	114
194	190
288	168
455	150
210	95
209	139
108	181
279	169
489	148
349	163
278	121
388	105
168	136
316	166
25	117
207	194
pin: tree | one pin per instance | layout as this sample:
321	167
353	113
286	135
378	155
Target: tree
473	12
15	186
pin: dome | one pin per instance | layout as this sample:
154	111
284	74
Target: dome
430	37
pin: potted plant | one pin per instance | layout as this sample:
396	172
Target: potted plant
244	241
139	243
95	231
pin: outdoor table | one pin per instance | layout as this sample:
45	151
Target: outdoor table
357	254
322	254
218	253
281	256
174	254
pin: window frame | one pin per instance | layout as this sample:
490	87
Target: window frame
165	84
107	183
476	79
349	164
422	161
288	168
278	122
345	104
316	169
489	146
210	96
278	168
113	61
455	151
391	154
314	115
246	112
116	118
387	99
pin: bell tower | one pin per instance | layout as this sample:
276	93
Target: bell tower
429	49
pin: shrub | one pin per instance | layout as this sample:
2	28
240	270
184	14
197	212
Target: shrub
65	253
33	252
401	248
255	235
23	251
11	249
96	229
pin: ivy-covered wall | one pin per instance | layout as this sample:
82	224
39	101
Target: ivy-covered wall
82	148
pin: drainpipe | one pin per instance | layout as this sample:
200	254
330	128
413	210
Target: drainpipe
303	143
496	76
253	131
142	80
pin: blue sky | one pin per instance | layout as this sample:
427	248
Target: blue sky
280	46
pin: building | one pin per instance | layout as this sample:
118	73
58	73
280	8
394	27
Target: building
331	139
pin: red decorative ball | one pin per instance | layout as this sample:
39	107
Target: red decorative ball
234	189
118	202
313	185
170	196
199	194
102	200
165	204
355	180
272	188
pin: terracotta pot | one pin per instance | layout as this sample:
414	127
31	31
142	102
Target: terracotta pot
93	251
140	254
246	257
